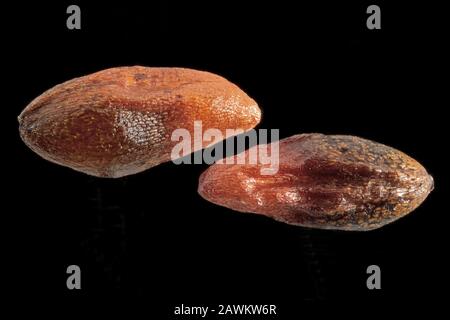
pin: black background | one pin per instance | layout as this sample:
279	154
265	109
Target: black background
312	67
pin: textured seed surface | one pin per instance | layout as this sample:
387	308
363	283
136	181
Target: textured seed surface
328	182
119	121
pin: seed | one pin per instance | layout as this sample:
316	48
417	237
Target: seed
323	181
119	121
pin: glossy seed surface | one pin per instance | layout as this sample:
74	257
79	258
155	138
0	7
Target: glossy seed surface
323	181
119	121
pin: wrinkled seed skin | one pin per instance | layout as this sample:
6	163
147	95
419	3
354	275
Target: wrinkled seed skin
324	181
119	121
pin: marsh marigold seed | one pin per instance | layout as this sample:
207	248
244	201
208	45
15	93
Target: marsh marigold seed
324	181
119	121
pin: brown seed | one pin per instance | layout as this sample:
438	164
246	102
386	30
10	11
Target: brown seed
119	121
327	182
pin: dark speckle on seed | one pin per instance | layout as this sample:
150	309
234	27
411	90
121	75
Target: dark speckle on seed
139	76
